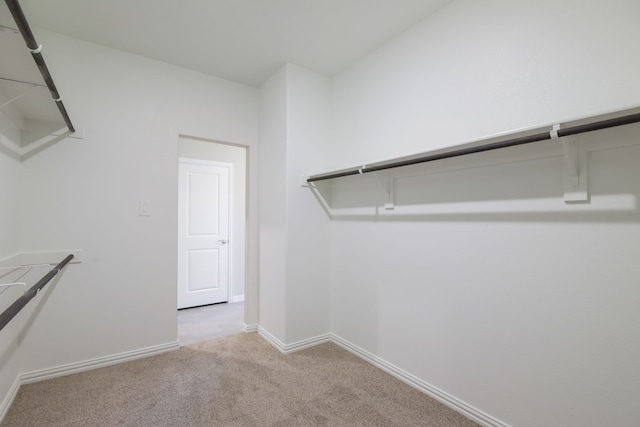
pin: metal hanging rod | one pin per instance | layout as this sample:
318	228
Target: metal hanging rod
35	49
21	302
553	134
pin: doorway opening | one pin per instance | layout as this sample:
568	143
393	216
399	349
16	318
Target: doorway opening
212	238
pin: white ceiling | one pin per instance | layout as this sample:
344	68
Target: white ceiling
245	41
241	40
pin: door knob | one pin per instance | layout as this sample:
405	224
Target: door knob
222	242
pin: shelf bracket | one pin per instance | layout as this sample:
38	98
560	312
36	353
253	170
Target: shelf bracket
384	178
574	174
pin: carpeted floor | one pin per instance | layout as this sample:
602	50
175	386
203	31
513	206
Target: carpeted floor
239	380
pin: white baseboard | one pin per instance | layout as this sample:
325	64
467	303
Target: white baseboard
293	347
430	390
271	339
250	328
8	400
237	298
100	362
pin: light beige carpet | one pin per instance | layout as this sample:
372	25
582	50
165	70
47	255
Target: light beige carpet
239	380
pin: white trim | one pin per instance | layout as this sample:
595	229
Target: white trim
201	162
249	328
100	362
271	339
441	396
8	400
293	347
237	298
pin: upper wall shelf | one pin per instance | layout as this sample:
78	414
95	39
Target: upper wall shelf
558	132
36	52
30	121
574	155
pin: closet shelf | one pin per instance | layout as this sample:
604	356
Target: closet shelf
19	273
36	52
557	131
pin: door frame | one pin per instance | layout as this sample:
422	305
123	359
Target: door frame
194	161
249	222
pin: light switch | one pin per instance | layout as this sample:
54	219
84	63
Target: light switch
145	208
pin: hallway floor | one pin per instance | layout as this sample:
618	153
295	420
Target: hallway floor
209	322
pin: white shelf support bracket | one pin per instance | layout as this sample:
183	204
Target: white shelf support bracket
320	192
571	166
574	168
384	177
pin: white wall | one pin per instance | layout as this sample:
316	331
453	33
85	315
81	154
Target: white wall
84	194
478	68
528	316
10	184
10	176
294	231
308	227
272	204
496	291
209	150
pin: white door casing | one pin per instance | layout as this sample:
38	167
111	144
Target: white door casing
203	232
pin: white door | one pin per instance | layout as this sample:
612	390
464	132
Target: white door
203	233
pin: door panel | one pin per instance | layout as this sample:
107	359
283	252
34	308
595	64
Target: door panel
203	197
203	267
203	234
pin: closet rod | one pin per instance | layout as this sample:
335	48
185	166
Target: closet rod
35	48
574	130
21	302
